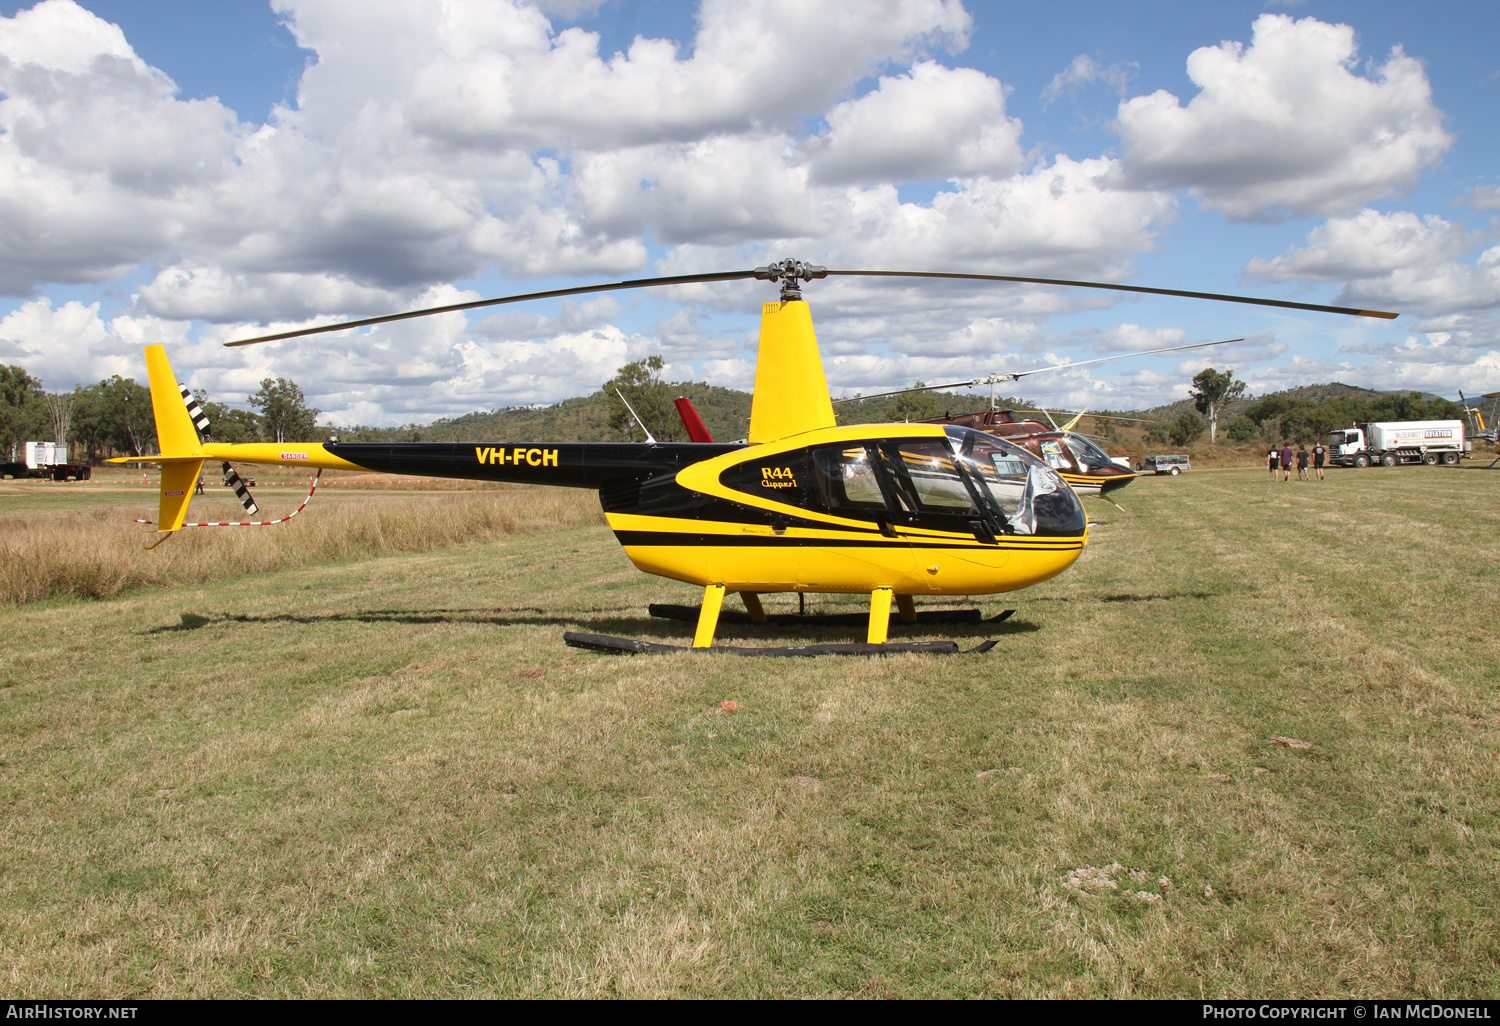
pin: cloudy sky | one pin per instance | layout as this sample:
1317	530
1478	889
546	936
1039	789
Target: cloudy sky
189	173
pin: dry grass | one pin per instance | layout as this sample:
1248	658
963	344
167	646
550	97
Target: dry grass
389	777
99	553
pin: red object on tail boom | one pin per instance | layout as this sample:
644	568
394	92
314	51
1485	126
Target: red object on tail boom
696	429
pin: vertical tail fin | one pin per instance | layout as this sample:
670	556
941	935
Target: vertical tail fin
174	426
181	456
791	392
696	429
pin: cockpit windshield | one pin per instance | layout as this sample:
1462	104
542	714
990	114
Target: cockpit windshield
1089	455
1032	496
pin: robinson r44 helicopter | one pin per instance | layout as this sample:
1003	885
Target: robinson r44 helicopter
891	511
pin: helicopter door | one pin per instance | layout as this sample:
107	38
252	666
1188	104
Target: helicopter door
847	483
945	499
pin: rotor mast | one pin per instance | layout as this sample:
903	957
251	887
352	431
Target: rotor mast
791	390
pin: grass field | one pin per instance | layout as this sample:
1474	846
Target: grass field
81	540
1246	747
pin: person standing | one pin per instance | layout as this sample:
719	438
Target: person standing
1286	461
1302	474
1320	456
1273	462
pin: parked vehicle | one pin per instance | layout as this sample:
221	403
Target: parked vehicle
1396	442
46	459
1173	465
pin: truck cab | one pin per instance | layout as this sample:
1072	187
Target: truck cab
1344	446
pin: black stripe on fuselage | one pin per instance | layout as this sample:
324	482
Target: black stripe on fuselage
564	464
781	541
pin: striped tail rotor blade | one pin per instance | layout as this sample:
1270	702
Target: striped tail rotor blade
200	419
241	492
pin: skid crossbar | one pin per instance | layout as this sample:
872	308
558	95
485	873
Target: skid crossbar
945	616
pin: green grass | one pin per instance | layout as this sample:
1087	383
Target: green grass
390	777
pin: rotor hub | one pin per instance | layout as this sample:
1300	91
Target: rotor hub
789	272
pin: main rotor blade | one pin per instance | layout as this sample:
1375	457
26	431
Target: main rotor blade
791	270
633	283
1118	356
1018	375
1286	304
1102	416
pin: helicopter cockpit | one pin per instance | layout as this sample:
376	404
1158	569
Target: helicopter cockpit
1089	455
969	482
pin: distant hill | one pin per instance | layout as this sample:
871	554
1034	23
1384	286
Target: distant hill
1314	393
726	412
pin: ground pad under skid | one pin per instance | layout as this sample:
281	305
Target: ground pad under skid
608	643
949	616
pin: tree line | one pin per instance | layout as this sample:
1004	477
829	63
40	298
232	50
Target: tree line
115	416
1283	418
1277	418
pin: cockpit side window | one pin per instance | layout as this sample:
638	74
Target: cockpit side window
846	480
1002	473
1087	452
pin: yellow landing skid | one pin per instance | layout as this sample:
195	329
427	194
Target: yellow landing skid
706	618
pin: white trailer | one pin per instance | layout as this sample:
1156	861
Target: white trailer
1394	442
46	459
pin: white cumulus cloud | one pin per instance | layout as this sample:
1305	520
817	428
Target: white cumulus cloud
1367	245
933	122
1286	125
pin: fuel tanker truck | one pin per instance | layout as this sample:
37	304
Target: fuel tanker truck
1393	443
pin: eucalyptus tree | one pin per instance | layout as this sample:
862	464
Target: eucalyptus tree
1211	390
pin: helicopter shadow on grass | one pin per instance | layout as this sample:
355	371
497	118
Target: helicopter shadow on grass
1128	597
611	622
523	616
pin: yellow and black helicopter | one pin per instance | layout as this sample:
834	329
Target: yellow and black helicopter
893	511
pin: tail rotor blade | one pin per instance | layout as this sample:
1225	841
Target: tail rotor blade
200	419
241	492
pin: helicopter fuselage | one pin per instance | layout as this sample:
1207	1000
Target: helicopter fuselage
915	508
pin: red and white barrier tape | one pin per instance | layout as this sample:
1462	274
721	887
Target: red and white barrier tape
253	523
